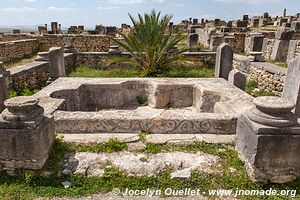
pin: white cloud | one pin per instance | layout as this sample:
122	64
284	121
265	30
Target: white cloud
18	9
28	1
127	2
53	8
108	7
248	1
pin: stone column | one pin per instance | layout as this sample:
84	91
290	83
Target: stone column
193	39
5	73
256	43
291	88
281	46
268	140
3	92
56	63
69	47
26	135
224	61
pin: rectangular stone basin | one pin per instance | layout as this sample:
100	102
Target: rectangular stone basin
162	106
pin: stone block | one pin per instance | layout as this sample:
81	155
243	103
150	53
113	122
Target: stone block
280	50
291	89
256	42
268	140
193	39
295	26
3	92
292	50
237	79
284	33
224	61
56	63
215	42
26	135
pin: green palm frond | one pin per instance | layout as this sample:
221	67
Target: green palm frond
151	46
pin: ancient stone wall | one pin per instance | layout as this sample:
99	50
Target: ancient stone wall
34	75
17	46
17	49
269	49
104	60
269	77
204	35
82	43
14	37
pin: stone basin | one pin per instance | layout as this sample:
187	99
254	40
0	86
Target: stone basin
157	105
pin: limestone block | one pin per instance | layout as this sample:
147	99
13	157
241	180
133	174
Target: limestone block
292	50
284	33
291	89
3	92
280	50
193	39
224	61
295	26
256	42
56	63
26	135
237	79
268	140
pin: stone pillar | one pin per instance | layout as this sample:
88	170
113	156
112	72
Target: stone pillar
295	26
292	50
54	27
291	88
237	79
56	63
281	46
215	42
3	92
224	61
193	39
5	73
268	140
256	43
69	47
26	135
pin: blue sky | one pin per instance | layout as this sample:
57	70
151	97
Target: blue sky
114	12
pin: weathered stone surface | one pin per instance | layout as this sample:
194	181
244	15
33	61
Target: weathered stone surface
295	26
224	61
3	92
292	84
26	136
110	105
193	39
181	174
292	50
237	79
280	50
56	63
256	42
268	138
141	164
187	139
99	138
284	34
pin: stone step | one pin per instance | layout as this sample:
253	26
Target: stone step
156	121
152	138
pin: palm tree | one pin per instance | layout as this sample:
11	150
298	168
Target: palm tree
151	46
